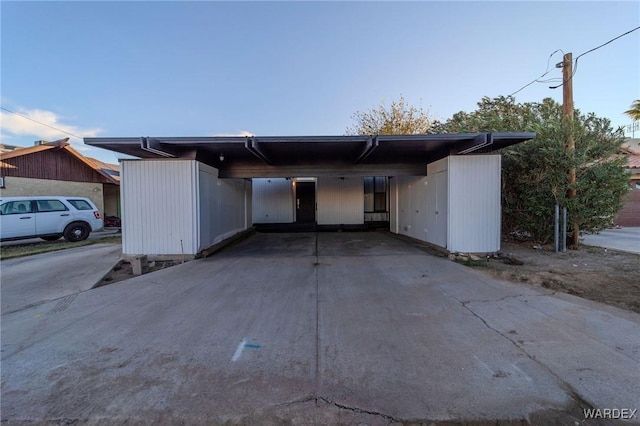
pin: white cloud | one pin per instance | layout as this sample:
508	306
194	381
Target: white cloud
15	125
241	133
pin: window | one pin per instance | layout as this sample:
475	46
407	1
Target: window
16	207
80	204
51	206
375	194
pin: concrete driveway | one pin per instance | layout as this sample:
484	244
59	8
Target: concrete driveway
623	239
31	280
318	329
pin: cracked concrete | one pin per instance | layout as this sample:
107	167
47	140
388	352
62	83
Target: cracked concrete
302	329
29	281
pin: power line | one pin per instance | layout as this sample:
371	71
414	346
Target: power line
39	122
547	71
604	44
575	67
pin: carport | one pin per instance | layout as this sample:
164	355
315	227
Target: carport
186	194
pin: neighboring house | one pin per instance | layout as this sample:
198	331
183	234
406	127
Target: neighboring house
54	168
630	213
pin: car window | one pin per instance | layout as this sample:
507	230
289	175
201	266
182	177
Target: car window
81	204
16	207
51	206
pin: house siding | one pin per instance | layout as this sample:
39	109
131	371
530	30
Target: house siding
224	209
272	200
159	207
52	164
456	206
340	201
474	203
411	205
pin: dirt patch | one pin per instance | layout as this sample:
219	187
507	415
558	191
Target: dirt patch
606	276
123	271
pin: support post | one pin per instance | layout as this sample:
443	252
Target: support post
564	229
556	226
567	121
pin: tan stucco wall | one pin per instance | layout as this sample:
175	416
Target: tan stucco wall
23	187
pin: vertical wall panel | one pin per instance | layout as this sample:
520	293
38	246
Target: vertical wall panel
393	205
474	204
437	217
222	205
248	204
158	207
412	193
340	200
465	192
272	201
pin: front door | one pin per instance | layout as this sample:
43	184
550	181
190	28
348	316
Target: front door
305	202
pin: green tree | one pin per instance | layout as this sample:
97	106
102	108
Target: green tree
634	112
534	173
399	118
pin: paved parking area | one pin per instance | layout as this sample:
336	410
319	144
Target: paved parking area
327	328
624	239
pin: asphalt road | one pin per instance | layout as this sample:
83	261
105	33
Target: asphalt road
623	239
328	328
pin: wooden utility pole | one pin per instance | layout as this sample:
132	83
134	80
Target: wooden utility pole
567	121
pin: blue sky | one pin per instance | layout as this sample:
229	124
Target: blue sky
294	68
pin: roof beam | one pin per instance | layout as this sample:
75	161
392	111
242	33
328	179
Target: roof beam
478	142
156	147
370	145
253	147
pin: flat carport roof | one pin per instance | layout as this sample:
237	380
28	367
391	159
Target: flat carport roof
284	156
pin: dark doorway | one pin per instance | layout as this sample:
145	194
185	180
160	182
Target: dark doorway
305	202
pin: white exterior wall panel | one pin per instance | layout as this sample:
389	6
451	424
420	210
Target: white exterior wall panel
437	212
340	200
474	203
457	206
223	206
411	203
393	205
272	200
159	207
